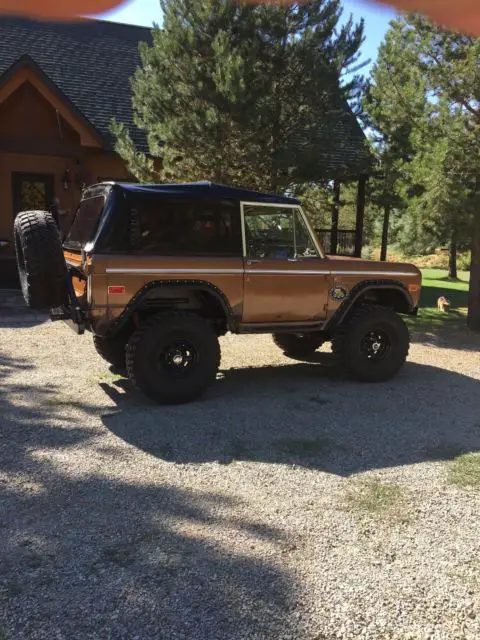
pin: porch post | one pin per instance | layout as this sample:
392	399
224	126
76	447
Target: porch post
386	222
362	181
335	215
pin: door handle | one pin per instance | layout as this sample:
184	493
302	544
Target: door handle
249	262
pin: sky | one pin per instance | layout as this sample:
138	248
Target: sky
377	17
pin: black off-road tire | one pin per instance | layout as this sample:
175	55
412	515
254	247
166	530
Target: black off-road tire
296	345
113	350
356	340
153	348
41	265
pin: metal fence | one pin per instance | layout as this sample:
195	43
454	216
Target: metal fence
345	241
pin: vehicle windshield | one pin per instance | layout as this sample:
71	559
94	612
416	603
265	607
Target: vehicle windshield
85	223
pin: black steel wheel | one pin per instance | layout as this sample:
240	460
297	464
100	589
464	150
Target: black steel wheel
173	357
376	345
373	344
178	358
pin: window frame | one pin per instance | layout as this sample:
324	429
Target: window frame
277	205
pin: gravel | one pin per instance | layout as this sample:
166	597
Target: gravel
234	517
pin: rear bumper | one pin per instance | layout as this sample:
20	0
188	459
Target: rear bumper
79	329
71	312
72	316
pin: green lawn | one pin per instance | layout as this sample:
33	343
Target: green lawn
435	284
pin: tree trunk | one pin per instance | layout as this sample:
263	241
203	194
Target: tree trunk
362	182
386	222
452	262
273	158
474	293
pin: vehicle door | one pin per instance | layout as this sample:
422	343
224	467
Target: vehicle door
286	276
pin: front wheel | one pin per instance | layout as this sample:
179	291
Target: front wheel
173	357
373	344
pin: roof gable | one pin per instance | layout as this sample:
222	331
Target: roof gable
90	62
26	71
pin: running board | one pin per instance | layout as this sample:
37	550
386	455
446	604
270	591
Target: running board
281	327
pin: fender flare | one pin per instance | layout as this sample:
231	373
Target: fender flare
197	285
362	287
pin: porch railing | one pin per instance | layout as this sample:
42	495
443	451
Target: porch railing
345	241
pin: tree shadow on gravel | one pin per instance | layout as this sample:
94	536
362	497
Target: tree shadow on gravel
459	338
89	554
15	313
309	415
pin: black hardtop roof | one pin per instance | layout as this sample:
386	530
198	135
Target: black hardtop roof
203	189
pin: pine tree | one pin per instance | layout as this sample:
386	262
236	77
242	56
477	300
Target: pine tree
242	94
394	103
435	77
442	209
450	140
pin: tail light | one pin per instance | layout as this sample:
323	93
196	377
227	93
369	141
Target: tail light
115	290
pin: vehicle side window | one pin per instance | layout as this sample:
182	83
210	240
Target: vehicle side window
277	232
182	227
269	232
85	222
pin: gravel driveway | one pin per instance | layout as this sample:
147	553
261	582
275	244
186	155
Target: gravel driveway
288	503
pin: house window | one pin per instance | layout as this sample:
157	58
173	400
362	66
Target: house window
32	192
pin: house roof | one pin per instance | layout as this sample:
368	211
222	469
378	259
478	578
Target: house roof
25	69
336	147
90	62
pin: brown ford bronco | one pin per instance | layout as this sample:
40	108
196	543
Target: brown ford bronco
158	272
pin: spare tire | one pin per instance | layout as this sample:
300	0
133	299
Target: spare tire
41	265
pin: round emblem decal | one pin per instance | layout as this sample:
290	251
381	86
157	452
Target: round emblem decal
338	293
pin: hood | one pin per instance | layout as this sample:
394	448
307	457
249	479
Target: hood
347	263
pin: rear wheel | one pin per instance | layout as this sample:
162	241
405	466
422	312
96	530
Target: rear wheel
41	265
112	350
173	357
373	344
298	345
